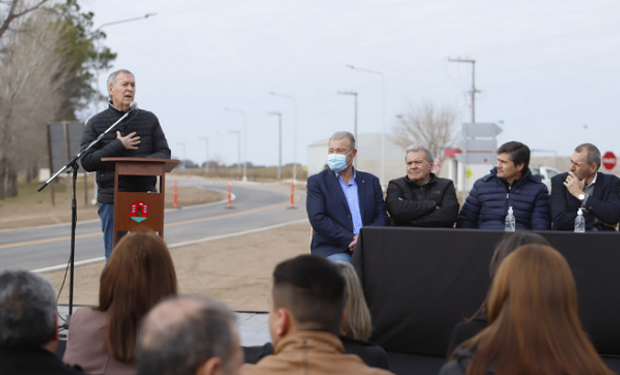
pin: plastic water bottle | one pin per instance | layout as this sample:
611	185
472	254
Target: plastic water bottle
510	221
580	222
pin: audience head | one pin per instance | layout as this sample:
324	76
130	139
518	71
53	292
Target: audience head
513	159
357	323
27	311
534	326
138	275
189	335
508	243
308	294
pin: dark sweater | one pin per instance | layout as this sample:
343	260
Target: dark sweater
33	361
153	144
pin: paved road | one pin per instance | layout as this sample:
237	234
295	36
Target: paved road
256	206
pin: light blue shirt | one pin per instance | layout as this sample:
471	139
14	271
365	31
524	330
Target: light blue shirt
350	192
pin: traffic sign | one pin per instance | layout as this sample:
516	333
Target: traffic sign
481	130
609	160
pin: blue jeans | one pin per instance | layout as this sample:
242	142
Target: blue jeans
106	213
340	257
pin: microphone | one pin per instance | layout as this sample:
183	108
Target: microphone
133	106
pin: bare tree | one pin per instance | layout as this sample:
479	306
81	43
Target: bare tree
427	126
12	10
30	67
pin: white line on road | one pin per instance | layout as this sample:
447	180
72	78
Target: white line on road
180	244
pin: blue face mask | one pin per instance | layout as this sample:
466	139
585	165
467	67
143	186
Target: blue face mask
337	162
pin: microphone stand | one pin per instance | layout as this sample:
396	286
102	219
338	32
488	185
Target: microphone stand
73	164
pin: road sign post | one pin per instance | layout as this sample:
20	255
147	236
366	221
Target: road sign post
609	160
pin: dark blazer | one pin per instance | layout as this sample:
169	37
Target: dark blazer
464	331
29	361
329	214
603	204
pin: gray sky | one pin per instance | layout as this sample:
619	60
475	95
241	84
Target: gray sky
545	68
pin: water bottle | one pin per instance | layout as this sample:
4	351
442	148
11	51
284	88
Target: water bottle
580	222
510	221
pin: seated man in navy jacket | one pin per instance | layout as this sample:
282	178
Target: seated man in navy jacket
341	200
510	184
598	194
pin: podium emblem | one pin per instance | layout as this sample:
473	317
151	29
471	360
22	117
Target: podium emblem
139	211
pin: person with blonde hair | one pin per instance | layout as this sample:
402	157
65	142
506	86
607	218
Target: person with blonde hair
357	325
139	273
534	325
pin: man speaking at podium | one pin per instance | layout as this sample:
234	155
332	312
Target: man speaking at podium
138	135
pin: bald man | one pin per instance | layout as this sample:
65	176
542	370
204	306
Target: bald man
189	335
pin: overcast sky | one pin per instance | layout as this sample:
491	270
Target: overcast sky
545	68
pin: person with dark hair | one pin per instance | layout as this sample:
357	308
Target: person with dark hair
534	325
421	199
510	184
479	321
583	186
357	325
102	339
189	335
29	326
341	200
307	310
139	136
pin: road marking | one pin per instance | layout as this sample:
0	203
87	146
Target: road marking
180	244
48	240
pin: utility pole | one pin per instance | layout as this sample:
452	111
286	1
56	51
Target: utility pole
355	121
473	85
245	141
279	142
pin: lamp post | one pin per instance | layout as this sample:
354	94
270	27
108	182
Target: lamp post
383	118
207	160
238	149
294	131
355	123
279	142
245	141
99	48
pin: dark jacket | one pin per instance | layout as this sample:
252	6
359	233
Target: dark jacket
464	331
604	203
460	363
418	204
487	205
153	144
32	361
329	214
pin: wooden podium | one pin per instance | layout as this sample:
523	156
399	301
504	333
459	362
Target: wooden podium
139	210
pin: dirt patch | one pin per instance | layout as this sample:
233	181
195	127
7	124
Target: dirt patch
36	209
235	270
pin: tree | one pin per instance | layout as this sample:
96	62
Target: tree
31	75
427	126
14	10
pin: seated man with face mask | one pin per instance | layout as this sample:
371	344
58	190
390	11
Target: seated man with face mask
341	200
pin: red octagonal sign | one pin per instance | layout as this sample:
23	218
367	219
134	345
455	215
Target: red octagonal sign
609	160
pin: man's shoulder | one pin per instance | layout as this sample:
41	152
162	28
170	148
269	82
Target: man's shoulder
319	176
608	178
559	177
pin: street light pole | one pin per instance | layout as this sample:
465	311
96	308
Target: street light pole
99	48
279	142
238	149
245	141
294	131
355	123
383	125
207	160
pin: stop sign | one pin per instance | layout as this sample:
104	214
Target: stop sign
609	160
